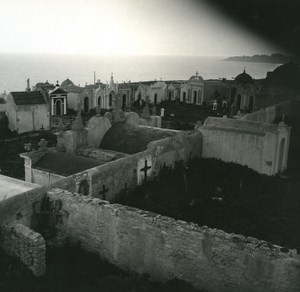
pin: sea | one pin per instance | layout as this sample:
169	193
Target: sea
15	69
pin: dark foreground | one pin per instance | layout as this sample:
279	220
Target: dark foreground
72	269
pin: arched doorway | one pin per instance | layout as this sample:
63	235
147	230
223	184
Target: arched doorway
155	99
251	103
195	97
99	100
184	97
110	101
238	101
84	188
170	95
86	104
124	101
58	107
281	156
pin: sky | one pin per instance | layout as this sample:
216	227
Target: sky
123	27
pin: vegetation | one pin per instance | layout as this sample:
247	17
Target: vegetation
10	162
224	196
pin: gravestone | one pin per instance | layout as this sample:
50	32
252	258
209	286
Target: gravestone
133	118
97	127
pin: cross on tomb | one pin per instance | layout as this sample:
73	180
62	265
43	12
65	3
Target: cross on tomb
42	128
145	170
103	192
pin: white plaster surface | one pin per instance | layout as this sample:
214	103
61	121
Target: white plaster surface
10	187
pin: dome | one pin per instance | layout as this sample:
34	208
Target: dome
196	79
285	75
67	82
244	78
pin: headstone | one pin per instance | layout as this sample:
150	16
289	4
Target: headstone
153	110
60	126
146	111
43	145
198	125
77	125
98	111
116	111
97	128
108	115
162	112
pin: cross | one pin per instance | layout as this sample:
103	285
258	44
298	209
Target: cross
42	128
57	84
103	192
197	73
145	170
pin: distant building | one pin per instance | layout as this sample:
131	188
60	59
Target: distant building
58	101
193	90
27	111
243	92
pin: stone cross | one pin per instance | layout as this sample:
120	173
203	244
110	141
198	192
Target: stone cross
42	128
43	145
103	192
145	170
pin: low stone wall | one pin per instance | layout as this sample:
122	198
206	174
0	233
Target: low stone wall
26	245
164	248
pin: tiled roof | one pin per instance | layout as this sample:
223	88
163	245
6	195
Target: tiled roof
28	98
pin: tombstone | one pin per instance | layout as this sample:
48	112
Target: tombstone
146	111
77	125
162	112
198	125
108	115
153	110
60	127
133	118
43	145
28	146
116	111
97	127
98	111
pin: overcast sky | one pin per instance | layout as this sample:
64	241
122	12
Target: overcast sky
122	27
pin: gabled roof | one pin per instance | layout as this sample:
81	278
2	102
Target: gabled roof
28	98
58	91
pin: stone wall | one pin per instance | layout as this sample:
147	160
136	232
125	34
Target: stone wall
26	245
148	243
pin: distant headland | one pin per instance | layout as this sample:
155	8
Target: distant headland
274	58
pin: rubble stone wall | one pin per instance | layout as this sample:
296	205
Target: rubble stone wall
164	248
23	243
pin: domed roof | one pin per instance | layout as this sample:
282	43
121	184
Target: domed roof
67	82
196	79
244	78
285	75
